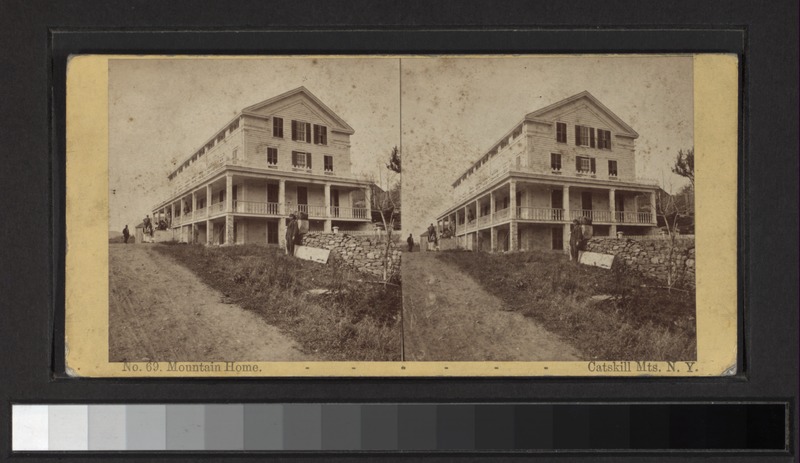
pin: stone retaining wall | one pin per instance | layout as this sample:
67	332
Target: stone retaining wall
651	257
363	253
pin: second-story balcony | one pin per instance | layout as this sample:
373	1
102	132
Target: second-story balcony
271	209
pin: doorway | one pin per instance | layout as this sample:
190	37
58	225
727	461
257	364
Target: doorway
335	202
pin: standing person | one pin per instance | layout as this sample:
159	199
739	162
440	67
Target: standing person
574	239
148	225
410	242
126	234
291	234
587	231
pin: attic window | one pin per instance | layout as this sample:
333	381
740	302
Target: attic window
301	131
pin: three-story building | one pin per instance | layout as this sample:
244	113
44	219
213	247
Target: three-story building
572	159
290	153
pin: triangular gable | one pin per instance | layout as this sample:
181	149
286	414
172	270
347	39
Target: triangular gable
594	105
316	106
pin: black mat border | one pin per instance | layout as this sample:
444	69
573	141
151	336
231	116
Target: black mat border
769	249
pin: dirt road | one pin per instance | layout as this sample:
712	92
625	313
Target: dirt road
448	316
160	311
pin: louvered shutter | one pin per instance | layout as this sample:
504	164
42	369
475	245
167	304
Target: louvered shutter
577	135
308	132
577	164
591	138
294	130
308	160
594	167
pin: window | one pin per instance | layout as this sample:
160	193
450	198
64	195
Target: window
301	131
612	168
277	127
320	135
272	156
561	132
235	155
584	136
603	139
301	160
584	165
328	160
555	162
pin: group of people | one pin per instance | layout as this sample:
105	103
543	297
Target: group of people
581	232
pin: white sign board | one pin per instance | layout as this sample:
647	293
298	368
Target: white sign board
596	259
312	254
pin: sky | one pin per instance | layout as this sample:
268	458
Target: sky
162	110
454	109
444	112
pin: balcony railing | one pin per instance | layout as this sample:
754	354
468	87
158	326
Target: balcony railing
633	217
484	220
349	212
200	213
216	208
502	214
312	211
255	207
593	214
542	214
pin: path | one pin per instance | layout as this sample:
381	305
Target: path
160	311
448	316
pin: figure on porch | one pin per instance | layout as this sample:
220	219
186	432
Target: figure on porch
292	232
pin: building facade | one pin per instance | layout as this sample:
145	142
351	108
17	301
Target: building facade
572	159
288	154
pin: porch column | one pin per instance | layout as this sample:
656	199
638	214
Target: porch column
493	243
512	200
328	205
477	215
513	239
566	218
194	205
566	236
228	195
612	206
368	202
208	199
194	233
566	204
282	198
491	212
229	230
209	232
171	214
653	218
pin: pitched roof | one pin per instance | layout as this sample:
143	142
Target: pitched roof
345	127
588	96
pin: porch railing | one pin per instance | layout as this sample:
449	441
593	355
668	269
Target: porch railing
200	213
484	220
216	208
593	214
543	214
312	211
255	207
502	214
348	212
632	217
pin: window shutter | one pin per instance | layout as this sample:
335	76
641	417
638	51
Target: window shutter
577	163
294	130
308	132
577	135
316	134
591	138
594	167
308	160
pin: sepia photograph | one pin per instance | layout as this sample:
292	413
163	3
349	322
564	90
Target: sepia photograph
252	210
552	199
443	215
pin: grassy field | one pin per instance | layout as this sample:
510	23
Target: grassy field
639	321
356	320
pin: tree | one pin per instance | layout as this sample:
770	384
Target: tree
670	208
389	207
394	160
684	164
